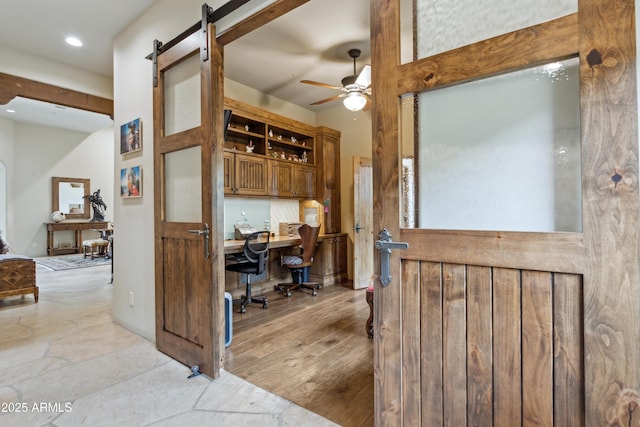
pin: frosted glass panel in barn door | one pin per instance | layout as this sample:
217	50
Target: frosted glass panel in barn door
444	25
501	153
182	96
183	185
182	168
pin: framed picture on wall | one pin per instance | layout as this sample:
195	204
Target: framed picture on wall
131	182
131	137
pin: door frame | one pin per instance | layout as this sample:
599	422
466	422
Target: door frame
606	253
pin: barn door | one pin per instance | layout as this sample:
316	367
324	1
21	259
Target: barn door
188	101
518	299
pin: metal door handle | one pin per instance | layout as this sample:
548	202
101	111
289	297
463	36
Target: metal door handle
384	245
204	233
357	228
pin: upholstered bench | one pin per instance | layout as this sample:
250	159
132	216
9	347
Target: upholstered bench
95	247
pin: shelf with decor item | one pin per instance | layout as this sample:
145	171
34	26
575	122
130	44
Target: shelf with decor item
285	149
244	133
287	144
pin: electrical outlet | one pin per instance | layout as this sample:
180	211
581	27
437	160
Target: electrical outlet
131	299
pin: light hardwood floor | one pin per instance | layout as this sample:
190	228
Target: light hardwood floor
313	351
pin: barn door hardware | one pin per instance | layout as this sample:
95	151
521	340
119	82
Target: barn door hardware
204	233
384	245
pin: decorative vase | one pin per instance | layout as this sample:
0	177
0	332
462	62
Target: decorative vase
57	216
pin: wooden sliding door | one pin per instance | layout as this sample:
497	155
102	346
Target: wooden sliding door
188	180
518	299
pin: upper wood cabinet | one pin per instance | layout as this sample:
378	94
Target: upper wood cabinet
328	179
304	182
288	159
279	178
244	174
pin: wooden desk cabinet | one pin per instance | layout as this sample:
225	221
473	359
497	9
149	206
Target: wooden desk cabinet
77	228
330	260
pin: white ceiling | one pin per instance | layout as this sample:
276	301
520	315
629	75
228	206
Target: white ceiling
309	43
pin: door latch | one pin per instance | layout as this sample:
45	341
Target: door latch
384	245
204	233
357	228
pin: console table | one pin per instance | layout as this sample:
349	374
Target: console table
77	228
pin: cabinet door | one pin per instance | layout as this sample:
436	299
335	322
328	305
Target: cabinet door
250	174
280	178
340	255
304	181
228	173
328	145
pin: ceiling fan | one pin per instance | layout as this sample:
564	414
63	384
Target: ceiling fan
356	88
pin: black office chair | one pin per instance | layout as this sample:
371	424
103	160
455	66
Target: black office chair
253	261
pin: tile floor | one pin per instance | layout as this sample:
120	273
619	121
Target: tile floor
64	362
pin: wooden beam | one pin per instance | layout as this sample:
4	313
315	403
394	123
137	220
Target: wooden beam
390	409
534	45
609	116
12	86
257	20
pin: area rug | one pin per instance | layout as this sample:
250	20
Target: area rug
67	262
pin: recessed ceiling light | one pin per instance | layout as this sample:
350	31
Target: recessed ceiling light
11	111
73	41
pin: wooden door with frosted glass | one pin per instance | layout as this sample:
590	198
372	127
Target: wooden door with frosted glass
188	182
501	326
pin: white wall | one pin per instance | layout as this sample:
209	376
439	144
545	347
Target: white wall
43	70
39	153
6	157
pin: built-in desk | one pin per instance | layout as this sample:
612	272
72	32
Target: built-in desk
77	228
275	242
329	265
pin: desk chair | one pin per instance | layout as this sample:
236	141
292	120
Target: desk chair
253	261
300	265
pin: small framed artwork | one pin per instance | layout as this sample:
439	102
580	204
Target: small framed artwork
131	182
130	137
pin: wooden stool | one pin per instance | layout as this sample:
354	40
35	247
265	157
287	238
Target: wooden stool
91	245
369	324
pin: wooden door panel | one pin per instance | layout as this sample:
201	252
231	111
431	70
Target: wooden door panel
479	345
537	346
250	173
182	298
491	349
280	176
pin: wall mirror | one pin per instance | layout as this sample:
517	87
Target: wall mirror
70	196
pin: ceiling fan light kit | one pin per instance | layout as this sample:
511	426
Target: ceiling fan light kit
357	88
354	101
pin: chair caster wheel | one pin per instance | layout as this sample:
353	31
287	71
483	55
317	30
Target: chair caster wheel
265	305
314	293
243	309
288	294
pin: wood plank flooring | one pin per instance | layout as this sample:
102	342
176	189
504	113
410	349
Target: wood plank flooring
313	351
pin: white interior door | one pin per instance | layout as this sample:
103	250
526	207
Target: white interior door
363	222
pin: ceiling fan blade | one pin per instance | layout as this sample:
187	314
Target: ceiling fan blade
322	101
367	106
311	82
364	79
